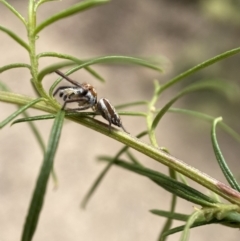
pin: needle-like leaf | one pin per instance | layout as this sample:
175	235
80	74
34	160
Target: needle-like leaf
18	112
220	158
41	185
171	185
14	11
104	172
167	214
15	65
72	58
221	86
15	37
208	118
198	67
79	7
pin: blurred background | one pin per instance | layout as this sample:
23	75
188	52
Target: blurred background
180	34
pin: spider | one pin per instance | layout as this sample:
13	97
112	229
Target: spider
84	94
86	97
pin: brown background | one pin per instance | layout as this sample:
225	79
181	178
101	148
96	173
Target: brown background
186	32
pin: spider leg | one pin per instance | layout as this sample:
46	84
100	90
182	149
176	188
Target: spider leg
85	107
124	129
60	88
67	78
77	100
109	126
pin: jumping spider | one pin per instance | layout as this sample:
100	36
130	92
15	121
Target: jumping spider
86	97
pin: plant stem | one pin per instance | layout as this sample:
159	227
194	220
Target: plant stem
149	150
32	45
151	113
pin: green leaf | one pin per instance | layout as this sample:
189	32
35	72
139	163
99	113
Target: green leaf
104	59
3	86
74	59
220	158
205	85
196	224
51	68
14	11
132	158
36	134
40	2
117	59
15	37
34	118
41	185
19	111
15	65
13	98
166	214
100	178
171	185
198	67
130	104
227	222
99	60
191	220
169	221
79	7
208	118
104	172
47	117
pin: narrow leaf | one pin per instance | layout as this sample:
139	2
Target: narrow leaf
169	220
231	220
104	172
117	59
74	59
19	99
208	118
191	220
100	60
40	2
19	111
15	65
166	214
3	86
100	178
34	118
104	59
15	37
221	161
171	185
51	68
205	85
14	11
47	117
41	185
198	67
36	134
132	158
131	104
79	7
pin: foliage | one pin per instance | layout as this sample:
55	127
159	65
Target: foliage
211	211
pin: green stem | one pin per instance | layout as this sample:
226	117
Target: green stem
155	153
32	45
151	114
